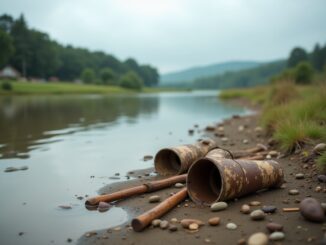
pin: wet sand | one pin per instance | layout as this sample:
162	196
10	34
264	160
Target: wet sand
296	229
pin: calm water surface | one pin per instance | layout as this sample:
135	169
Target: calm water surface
64	140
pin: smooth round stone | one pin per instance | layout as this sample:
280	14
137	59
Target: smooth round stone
214	221
258	239
319	148
322	178
174	220
269	209
193	226
156	222
164	224
299	176
254	203
311	210
273	153
224	139
257	215
293	192
245	209
154	198
218	206
173	228
103	206
245	141
231	226
179	185
277	236
274	227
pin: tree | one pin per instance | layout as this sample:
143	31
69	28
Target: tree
297	55
108	77
7	48
131	81
303	73
6	22
88	75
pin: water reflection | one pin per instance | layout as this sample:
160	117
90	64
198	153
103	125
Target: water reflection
31	120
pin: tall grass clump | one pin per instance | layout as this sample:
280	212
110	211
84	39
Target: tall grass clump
321	163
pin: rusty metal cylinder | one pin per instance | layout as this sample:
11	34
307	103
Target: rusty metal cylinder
177	160
213	179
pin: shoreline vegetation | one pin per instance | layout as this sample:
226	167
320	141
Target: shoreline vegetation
293	115
38	88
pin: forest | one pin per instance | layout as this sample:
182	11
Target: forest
36	56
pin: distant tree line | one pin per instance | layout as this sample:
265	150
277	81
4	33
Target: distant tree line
36	55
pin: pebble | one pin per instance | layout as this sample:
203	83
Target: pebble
245	141
311	210
319	148
273	153
207	240
322	178
218	206
156	222
258	129
179	185
318	189
245	209
269	209
241	241
65	206
154	198
214	221
173	228
118	228
277	236
147	157
193	226
241	128
103	207
231	226
293	192
258	239
80	198
210	128
299	176
224	139
164	224
254	203
11	169
274	227
257	215
186	222
174	220
191	131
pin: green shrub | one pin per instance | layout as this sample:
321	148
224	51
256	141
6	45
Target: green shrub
303	73
6	86
88	75
131	81
321	162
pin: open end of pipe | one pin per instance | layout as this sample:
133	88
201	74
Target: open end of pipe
137	225
204	182
167	162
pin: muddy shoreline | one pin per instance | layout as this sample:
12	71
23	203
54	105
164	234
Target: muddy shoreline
296	229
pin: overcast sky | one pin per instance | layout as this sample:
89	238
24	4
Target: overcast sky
177	34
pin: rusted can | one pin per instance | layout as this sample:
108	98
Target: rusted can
213	178
177	160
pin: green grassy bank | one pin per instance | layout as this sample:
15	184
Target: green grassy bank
295	116
18	88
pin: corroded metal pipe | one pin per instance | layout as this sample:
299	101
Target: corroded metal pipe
143	220
212	179
177	160
141	189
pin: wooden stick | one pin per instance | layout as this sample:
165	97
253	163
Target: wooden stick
139	223
291	209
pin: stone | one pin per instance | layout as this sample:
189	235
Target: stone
257	215
64	206
147	157
277	236
193	226
214	221
254	203
103	207
245	141
11	169
273	153
23	168
224	139
241	241
210	128
186	222
174	220
274	227
153	199
269	209
241	128
322	178
80	198
258	238
231	226
293	192
245	209
218	206
118	228
311	210
299	176
258	129
318	189
179	185
207	240
156	222
164	224
319	148
173	228
191	131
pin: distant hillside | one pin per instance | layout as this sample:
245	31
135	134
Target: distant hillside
244	78
191	74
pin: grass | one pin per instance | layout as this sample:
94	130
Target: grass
294	115
321	163
72	88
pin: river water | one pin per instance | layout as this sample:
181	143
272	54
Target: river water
65	140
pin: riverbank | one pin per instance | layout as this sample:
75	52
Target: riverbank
238	133
35	88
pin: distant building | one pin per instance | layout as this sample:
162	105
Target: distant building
9	72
